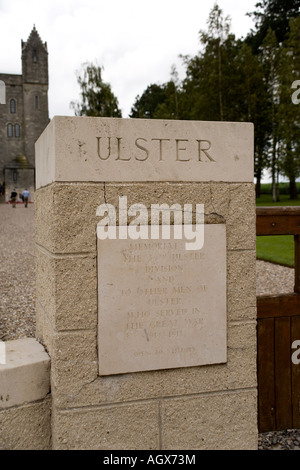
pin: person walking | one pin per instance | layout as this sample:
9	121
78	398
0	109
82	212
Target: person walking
25	196
13	197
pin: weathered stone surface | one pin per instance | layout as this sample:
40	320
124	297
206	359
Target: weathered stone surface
26	427
110	149
217	421
77	275
131	426
160	305
25	376
79	386
194	406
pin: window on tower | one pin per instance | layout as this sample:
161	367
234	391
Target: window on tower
34	55
9	130
36	102
17	130
13	107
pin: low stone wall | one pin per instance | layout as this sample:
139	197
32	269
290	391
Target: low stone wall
25	403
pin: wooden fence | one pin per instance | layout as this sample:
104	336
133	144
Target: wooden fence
278	326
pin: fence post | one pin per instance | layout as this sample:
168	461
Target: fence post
297	263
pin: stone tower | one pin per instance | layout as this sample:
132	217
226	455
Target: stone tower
35	90
24	116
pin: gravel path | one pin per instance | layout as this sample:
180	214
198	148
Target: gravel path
17	272
273	279
17	294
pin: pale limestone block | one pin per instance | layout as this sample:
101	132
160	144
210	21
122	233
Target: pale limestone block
44	217
221	421
45	291
77	275
241	204
74	362
68	379
45	332
160	193
219	200
26	427
58	232
171	194
109	149
160	305
241	281
249	313
78	347
77	388
241	237
69	226
25	375
131	426
241	219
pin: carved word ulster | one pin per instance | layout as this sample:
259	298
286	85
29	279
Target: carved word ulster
183	150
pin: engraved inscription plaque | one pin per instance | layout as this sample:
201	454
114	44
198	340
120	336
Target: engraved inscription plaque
161	306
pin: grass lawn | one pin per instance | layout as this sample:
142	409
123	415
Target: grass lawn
266	200
277	248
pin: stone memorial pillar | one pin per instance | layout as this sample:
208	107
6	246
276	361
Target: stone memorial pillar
146	302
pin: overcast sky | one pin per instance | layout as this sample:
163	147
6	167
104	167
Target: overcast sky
136	41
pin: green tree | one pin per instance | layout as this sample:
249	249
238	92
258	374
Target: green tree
270	60
215	39
288	115
146	104
97	98
225	81
222	82
252	106
170	108
275	15
209	83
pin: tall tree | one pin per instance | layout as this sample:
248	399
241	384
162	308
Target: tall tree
170	108
146	104
97	98
252	106
289	113
270	59
215	38
275	15
226	81
208	89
